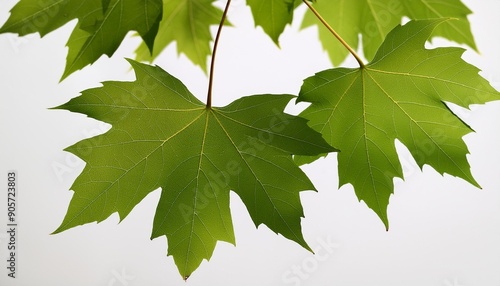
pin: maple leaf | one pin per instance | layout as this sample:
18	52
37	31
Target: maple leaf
272	15
186	22
101	28
401	95
86	45
163	136
32	16
374	19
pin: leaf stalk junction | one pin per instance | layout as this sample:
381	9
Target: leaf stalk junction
341	40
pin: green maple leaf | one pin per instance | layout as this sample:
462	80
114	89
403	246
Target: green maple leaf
32	16
272	15
163	136
101	28
401	94
374	19
186	22
87	44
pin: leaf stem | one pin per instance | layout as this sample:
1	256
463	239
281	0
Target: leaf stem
212	64
351	50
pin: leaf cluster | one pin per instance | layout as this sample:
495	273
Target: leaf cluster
163	137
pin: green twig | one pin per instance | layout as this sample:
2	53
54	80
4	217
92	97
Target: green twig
212	64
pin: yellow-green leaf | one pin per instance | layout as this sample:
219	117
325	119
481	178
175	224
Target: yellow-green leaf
374	19
187	23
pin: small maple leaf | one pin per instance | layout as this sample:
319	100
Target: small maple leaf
373	20
101	27
87	44
43	17
187	23
272	15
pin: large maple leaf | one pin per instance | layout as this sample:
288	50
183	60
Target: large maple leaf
374	19
163	136
401	94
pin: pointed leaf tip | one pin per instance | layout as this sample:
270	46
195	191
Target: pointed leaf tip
272	15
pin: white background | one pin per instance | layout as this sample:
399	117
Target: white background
443	231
